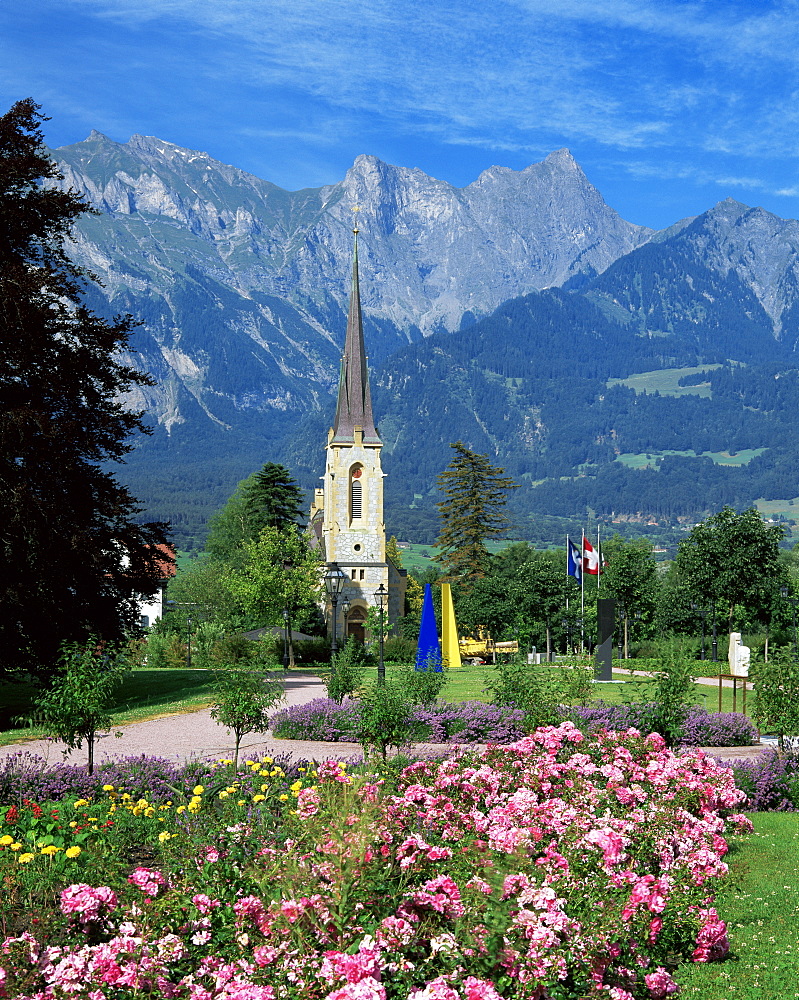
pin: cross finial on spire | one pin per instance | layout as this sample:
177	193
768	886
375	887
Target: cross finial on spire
355	209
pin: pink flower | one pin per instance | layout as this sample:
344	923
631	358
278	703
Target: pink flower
90	905
364	989
436	989
479	989
150	882
204	903
660	983
308	802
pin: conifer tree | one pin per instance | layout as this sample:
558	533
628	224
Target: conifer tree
473	511
73	557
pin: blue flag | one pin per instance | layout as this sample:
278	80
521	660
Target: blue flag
428	652
574	561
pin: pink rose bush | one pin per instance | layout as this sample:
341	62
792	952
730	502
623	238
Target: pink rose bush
558	866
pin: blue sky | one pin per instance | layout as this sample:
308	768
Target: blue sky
668	105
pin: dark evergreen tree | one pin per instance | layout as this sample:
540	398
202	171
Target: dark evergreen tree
273	497
73	558
269	498
472	512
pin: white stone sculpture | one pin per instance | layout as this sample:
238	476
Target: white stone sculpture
738	656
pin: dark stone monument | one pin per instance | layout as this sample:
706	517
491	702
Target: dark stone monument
606	621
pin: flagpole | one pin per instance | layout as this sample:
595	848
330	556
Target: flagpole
598	561
568	550
582	590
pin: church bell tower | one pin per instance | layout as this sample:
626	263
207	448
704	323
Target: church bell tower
347	514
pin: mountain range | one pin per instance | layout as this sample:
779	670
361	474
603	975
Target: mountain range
520	314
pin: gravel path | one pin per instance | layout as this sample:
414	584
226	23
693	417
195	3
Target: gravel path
191	735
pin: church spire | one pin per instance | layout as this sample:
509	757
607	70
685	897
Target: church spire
354	407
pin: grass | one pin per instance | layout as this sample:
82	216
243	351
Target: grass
665	381
646	460
145	694
761	907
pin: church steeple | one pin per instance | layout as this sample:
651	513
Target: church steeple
354	406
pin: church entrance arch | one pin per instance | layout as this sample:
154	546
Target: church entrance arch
356	623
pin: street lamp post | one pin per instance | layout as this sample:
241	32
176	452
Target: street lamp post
345	610
715	643
702	615
381	596
285	638
188	643
793	601
334	583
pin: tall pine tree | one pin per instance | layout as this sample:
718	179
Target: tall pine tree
472	511
73	557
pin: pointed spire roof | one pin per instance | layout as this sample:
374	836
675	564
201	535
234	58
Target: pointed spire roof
354	407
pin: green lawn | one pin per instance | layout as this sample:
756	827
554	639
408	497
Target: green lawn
760	904
649	459
145	694
665	381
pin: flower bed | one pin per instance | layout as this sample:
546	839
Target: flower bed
477	722
700	729
561	866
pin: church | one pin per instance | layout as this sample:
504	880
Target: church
346	517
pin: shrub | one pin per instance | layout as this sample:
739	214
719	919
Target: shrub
470	722
76	707
700	727
244	698
771	782
385	718
398	649
777	694
346	675
423	686
532	688
320	719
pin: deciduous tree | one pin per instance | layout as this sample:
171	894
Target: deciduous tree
732	560
74	559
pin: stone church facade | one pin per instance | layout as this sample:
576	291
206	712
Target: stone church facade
346	517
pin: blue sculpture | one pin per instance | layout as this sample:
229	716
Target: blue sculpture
428	652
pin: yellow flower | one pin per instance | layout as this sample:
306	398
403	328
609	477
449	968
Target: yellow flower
284	798
149	812
240	802
164	836
250	763
255	798
72	852
91	819
15	846
108	788
80	802
50	849
301	770
296	786
224	795
267	760
180	809
74	823
25	858
5	841
198	790
264	774
195	806
264	788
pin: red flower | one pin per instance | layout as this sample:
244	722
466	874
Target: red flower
12	815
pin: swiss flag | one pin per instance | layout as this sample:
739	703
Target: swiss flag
590	558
